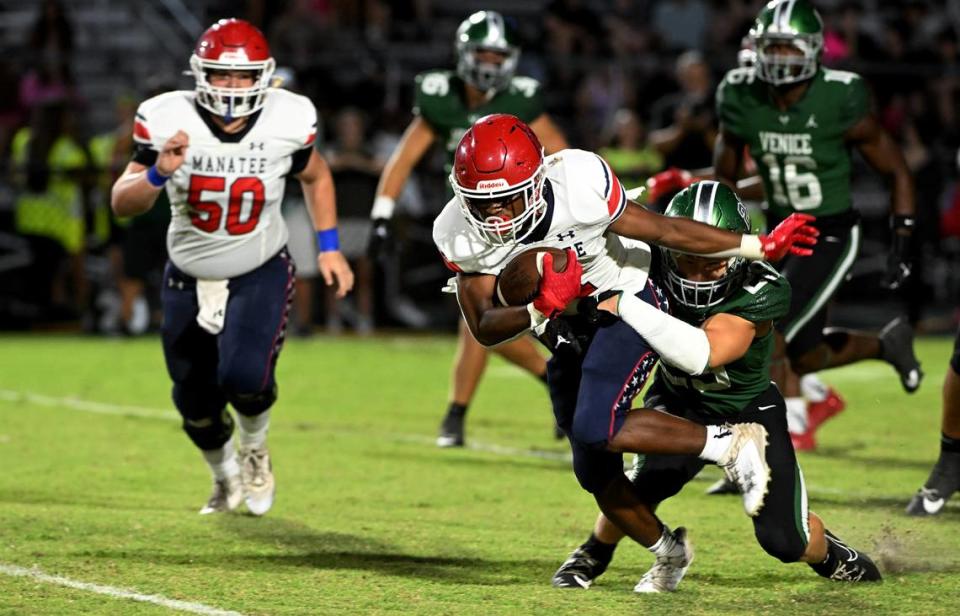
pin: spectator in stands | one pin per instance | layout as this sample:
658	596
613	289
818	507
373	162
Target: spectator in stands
682	24
52	32
627	153
686	126
52	165
355	174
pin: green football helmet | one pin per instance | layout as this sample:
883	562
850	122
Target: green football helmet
787	22
487	31
717	205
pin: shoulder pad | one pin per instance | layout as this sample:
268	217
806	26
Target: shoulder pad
592	191
459	244
433	83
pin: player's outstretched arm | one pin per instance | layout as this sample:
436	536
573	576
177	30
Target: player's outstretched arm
318	192
793	235
416	140
489	324
723	338
136	190
885	156
414	143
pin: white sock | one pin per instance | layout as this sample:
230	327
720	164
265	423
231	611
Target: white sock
796	415
223	461
253	430
814	389
719	439
666	546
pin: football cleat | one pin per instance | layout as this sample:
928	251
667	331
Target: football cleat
819	412
745	464
579	570
722	486
256	472
803	441
451	431
667	571
896	348
944	480
851	565
226	496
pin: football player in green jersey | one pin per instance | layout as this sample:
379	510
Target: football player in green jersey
944	478
799	121
447	103
735	304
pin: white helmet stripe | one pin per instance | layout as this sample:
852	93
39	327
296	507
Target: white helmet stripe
704	199
495	28
788	14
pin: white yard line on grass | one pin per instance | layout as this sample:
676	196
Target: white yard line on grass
102	408
106	408
113	591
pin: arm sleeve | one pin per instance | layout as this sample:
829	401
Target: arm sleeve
144	151
765	296
729	113
608	187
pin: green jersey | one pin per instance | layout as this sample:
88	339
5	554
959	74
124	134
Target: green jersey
441	101
764	295
801	152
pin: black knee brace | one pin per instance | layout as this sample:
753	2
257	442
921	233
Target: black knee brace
252	404
596	468
205	417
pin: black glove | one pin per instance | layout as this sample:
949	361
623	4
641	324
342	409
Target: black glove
380	236
587	308
898	265
560	338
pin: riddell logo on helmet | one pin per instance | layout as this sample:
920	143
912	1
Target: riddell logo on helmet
234	56
492	184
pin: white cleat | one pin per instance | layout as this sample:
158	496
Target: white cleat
667	571
745	464
226	496
257	474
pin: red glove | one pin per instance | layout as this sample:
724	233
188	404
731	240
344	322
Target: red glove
793	236
667	182
557	289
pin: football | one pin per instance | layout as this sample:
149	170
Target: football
519	282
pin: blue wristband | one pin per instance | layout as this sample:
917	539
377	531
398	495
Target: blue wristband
328	240
154	177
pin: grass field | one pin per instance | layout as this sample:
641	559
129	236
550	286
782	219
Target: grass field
100	486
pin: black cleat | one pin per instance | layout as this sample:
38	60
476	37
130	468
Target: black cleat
451	431
896	348
845	564
579	570
944	480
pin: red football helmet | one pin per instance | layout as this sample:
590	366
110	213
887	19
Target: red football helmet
236	45
498	158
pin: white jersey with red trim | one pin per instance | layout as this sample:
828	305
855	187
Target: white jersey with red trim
225	197
583	198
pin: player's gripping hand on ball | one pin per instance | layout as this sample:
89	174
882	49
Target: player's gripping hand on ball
558	289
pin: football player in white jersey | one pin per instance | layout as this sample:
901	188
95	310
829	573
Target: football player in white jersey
222	152
510	198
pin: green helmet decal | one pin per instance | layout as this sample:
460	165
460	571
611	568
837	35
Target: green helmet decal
487	31
787	22
714	204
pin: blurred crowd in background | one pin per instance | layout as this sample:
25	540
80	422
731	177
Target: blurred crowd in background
632	79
